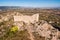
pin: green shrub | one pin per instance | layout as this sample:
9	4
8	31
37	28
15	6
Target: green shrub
14	29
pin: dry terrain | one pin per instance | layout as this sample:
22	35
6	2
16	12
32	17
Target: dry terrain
47	28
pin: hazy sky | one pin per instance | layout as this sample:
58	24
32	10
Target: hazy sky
31	3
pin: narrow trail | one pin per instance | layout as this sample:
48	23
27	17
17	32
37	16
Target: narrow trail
30	32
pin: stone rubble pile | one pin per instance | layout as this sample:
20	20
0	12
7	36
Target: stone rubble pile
43	28
46	30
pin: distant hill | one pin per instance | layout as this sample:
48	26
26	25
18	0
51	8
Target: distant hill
9	7
15	7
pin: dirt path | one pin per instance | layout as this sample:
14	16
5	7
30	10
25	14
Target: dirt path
30	32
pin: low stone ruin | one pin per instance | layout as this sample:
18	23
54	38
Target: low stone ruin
27	19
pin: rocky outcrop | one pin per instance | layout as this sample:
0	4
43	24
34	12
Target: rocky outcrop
46	30
33	25
42	28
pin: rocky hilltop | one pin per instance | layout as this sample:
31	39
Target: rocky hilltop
44	26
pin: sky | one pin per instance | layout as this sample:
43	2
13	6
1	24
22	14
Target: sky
31	3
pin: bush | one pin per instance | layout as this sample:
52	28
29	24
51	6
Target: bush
14	29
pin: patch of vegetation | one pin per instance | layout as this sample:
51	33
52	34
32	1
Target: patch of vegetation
14	28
